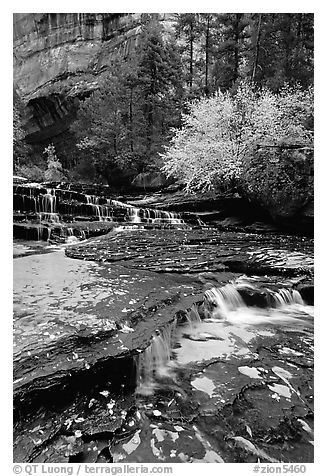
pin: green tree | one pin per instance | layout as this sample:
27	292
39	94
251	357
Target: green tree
188	30
108	122
124	124
281	49
233	30
159	75
21	149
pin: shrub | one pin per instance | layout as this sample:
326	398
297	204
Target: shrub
31	172
219	134
54	172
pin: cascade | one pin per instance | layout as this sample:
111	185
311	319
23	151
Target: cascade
192	316
98	212
286	296
39	232
134	214
92	200
36	204
219	302
155	360
48	216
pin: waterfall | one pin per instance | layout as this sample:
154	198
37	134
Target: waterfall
45	206
92	199
98	211
48	216
219	302
154	361
173	218
134	214
285	296
192	316
39	232
49	201
117	203
42	205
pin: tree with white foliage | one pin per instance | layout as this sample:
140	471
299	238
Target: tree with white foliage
219	134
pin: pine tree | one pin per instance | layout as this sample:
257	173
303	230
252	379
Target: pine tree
188	29
21	149
160	87
128	120
281	49
233	34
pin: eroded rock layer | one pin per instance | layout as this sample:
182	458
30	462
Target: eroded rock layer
58	58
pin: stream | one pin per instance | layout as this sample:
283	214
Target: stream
148	343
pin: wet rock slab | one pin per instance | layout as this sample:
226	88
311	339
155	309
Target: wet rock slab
76	370
253	403
193	251
73	319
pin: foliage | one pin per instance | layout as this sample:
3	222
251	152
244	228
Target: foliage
21	149
136	103
124	123
54	172
32	172
285	49
218	50
220	133
280	179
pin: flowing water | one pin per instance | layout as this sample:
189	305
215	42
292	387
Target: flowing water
227	327
208	362
38	209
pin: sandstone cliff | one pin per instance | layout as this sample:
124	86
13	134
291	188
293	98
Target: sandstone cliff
58	58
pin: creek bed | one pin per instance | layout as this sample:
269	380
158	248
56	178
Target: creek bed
233	387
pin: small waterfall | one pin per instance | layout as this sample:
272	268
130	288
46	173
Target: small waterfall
134	214
48	216
192	316
92	199
39	232
154	361
283	297
71	238
49	201
98	211
117	203
40	205
219	302
106	213
45	206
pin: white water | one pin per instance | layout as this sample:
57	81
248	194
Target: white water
154	362
46	208
227	329
192	316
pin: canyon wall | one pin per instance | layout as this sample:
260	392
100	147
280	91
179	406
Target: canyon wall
58	58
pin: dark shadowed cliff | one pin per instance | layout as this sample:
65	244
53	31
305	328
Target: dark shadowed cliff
58	58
